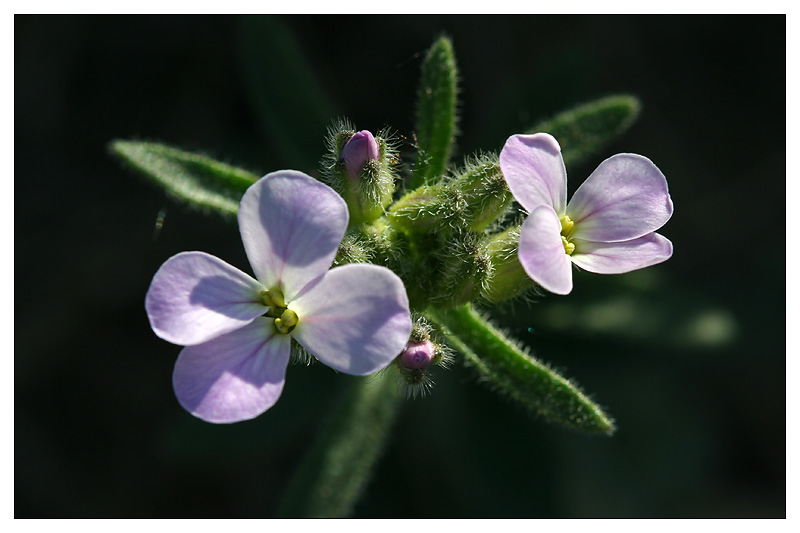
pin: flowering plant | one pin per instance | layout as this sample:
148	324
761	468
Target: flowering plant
417	245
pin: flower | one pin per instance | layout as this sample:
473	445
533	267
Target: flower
609	225
237	330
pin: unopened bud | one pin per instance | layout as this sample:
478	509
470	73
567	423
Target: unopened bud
417	355
469	201
466	267
361	168
484	190
360	149
508	279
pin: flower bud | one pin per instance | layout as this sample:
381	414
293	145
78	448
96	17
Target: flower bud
470	200
360	167
359	150
428	209
417	355
465	268
508	279
484	191
423	351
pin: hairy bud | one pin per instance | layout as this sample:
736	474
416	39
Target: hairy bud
507	279
360	167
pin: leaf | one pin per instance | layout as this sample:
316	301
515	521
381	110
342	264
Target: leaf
436	113
586	129
501	362
192	178
339	464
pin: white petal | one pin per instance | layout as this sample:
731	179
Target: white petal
541	251
234	377
534	170
291	227
621	257
354	319
624	198
195	297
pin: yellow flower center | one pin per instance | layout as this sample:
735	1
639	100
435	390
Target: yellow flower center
285	319
566	232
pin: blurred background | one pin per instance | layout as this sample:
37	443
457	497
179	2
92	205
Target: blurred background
687	356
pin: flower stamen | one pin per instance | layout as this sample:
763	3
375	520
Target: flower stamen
566	226
273	298
569	248
287	322
566	232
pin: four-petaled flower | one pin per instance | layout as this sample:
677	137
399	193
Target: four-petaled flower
237	330
609	225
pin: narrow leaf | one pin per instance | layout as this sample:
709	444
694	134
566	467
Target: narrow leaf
501	362
192	178
436	113
586	129
339	464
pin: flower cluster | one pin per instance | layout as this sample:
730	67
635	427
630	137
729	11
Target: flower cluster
442	245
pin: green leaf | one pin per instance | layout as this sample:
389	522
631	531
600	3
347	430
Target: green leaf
586	129
285	95
436	113
192	178
500	361
339	464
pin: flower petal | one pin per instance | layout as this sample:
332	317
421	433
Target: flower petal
234	377
620	257
291	227
541	251
195	297
534	170
624	198
354	319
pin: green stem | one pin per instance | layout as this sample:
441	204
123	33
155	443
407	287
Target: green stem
499	360
339	464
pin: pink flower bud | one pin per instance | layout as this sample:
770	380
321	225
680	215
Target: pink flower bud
361	148
417	355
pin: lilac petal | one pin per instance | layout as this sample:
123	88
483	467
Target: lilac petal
195	297
355	319
291	226
624	198
541	251
534	170
620	257
234	377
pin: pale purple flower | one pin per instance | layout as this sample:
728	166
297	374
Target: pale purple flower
237	330
359	149
608	227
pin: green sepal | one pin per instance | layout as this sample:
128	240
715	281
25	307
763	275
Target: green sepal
195	179
586	129
436	113
339	464
469	200
508	279
501	362
465	267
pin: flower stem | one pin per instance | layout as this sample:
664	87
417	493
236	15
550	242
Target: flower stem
339	464
500	361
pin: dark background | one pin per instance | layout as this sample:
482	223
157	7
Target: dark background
688	356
